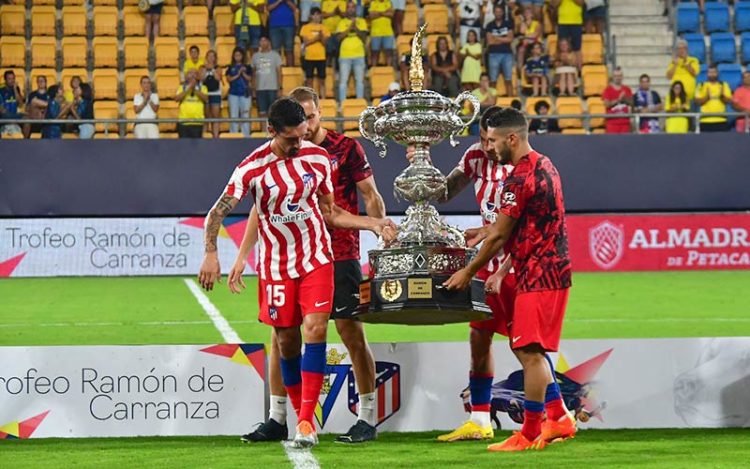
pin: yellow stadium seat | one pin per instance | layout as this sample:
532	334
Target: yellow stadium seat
12	51
202	42
598	131
232	135
12	20
436	15
531	102
170	135
574	131
43	20
105	83
552	46
352	133
167	82
69	73
134	22
503	101
328	109
291	77
224	48
167	52
569	105
411	21
403	44
135	51
69	136
168	110
43	50
595	79
129	114
432	42
105	51
74	21
103	2
224	20
113	135
49	73
297	52
549	25
130	2
592	49
380	79
106	110
595	105
73	3
74	51
195	19
105	21
500	85
169	19
132	81
43	2
352	108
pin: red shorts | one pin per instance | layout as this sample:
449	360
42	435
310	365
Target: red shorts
538	318
283	303
501	305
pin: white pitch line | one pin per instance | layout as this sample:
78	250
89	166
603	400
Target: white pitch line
300	458
109	324
230	335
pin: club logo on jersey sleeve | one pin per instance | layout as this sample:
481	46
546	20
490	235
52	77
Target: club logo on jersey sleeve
293	212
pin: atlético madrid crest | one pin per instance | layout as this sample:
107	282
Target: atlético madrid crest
606	243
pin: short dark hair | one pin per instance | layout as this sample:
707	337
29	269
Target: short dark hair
144	77
539	104
8	72
645	75
516	104
305	93
712	65
52	90
486	115
508	118
194	47
315	10
484	74
285	112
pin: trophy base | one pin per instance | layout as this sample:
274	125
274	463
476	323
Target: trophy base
420	300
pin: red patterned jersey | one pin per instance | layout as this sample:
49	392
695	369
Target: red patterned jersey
292	233
350	166
489	177
539	242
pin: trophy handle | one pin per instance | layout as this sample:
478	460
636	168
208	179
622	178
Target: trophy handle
368	115
459	101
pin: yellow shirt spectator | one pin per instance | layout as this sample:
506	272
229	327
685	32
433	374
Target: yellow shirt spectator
352	46
676	125
381	26
681	74
316	50
569	12
253	17
191	106
190	65
714	91
332	6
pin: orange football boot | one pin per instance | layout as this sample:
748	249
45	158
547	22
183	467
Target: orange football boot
518	442
560	430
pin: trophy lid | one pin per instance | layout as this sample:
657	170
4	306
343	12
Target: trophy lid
416	70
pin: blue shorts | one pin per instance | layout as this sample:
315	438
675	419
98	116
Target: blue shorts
282	36
498	61
399	4
538	3
253	37
574	32
378	43
214	99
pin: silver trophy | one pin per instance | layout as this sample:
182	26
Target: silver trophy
406	276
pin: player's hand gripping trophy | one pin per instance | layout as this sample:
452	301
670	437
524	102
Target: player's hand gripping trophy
406	275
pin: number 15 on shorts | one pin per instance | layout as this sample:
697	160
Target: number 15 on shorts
275	295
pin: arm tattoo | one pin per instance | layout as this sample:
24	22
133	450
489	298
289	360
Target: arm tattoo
457	181
218	212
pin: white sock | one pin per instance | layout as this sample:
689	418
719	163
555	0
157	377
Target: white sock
278	409
481	418
367	408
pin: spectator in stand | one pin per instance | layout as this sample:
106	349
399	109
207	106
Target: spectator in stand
247	25
83	108
536	8
194	61
444	65
352	34
471	55
566	68
741	103
153	15
57	108
713	96
282	26
677	102
647	100
537	69
266	75
36	106
239	77
618	99
305	9
531	33
399	9
192	97
543	125
314	37
486	94
595	16
145	106
10	96
570	23
393	89
468	17
211	77
499	37
75	82
508	6
333	11
381	31
683	68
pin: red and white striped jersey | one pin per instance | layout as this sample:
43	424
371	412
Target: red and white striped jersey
489	178
293	236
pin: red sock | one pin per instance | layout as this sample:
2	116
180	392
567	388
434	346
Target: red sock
555	409
295	396
311	384
533	416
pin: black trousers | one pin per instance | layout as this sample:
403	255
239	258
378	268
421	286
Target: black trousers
190	130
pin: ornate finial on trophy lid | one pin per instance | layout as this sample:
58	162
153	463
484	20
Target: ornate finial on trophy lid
416	72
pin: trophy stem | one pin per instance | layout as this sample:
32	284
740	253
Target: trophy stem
421	154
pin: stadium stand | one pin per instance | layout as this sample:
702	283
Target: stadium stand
12	20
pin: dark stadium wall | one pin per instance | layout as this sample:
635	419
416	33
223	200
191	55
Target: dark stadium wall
184	177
